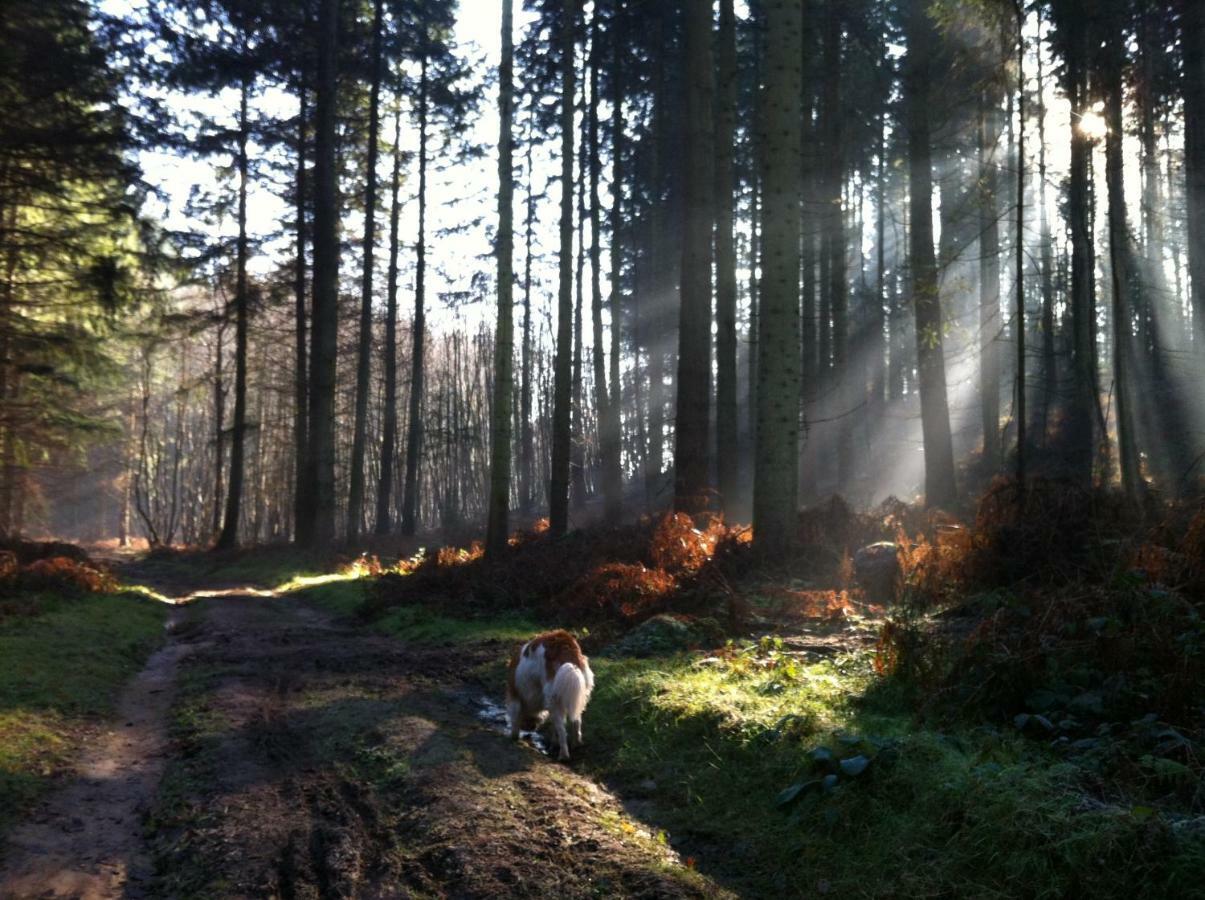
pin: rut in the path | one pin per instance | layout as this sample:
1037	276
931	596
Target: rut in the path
85	840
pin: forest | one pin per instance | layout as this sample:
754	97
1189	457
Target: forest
830	370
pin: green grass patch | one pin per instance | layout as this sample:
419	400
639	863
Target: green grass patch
60	670
803	778
417	623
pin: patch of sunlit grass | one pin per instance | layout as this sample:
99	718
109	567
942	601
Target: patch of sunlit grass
707	745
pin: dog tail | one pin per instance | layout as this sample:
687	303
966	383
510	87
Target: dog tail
571	687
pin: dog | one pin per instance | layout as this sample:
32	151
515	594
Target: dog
549	674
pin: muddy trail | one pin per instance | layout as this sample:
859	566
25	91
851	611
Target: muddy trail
270	751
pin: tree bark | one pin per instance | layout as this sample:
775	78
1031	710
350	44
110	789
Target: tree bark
355	493
238	432
775	475
727	426
1119	264
558	504
989	277
414	430
320	529
301	431
389	414
500	425
940	490
611	426
691	443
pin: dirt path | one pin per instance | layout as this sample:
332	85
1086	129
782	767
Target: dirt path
85	840
274	752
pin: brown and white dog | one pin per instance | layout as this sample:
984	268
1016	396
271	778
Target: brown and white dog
549	673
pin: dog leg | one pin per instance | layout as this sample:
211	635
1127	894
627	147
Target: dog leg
577	731
562	737
513	711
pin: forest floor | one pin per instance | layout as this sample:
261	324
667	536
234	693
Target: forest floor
311	730
268	749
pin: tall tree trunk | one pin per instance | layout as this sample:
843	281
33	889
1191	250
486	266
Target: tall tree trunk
1193	38
414	430
610	426
500	424
1019	274
355	493
1049	359
775	475
320	529
238	432
1083	404
562	437
989	277
527	431
219	425
1119	264
727	426
577	460
659	290
940	490
834	232
389	413
301	432
691	444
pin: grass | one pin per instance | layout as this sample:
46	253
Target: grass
343	595
60	671
712	747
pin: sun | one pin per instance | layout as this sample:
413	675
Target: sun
1092	125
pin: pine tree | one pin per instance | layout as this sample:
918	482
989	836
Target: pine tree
775	478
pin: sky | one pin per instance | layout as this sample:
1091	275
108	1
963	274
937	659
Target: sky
457	193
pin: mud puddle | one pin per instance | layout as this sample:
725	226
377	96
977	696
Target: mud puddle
494	714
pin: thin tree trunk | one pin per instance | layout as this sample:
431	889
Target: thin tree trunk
1019	275
301	492
500	424
238	431
355	493
414	431
562	376
611	427
527	431
389	413
989	278
727	426
1119	264
1082	408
